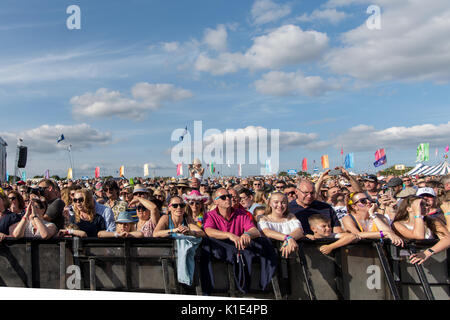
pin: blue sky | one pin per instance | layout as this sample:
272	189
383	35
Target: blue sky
137	70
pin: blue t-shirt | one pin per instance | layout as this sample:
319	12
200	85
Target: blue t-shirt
316	207
8	219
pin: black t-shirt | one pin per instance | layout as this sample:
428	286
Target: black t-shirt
55	212
91	228
8	219
316	207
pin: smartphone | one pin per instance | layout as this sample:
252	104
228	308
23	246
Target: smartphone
335	172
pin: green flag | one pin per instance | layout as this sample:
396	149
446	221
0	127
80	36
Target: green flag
423	152
211	167
131	182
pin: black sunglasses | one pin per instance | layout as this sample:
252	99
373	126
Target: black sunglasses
363	201
194	202
78	200
181	205
12	198
291	193
229	196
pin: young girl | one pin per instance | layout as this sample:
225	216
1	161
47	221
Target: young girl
279	224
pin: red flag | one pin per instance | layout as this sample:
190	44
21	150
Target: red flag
379	154
179	169
97	172
305	165
342	151
325	162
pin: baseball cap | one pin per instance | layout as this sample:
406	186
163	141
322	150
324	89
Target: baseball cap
406	192
427	190
370	177
394	182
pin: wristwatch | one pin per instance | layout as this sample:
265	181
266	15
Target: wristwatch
430	251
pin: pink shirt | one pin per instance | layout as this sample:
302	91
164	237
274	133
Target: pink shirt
238	222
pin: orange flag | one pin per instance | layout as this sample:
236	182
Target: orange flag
325	162
122	171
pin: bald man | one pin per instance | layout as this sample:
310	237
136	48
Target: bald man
306	205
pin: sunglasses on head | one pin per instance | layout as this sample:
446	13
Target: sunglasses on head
78	200
225	196
176	205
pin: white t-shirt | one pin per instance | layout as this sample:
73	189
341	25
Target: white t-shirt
284	227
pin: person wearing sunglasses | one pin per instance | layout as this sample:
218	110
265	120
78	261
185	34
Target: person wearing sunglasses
32	224
289	190
177	221
17	204
363	220
85	217
196	206
112	191
55	208
7	218
226	222
148	215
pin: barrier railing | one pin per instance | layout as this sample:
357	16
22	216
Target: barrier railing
367	270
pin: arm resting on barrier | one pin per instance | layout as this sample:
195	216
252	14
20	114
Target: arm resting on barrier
422	256
345	239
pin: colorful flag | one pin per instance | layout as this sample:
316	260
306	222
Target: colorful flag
380	158
179	169
211	168
131	182
61	138
446	148
146	170
342	151
24	176
423	152
122	171
97	172
69	174
349	161
305	164
325	162
47	174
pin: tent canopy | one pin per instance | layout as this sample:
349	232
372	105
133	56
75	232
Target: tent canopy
441	169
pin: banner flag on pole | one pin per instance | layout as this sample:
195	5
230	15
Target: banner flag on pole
446	148
349	161
211	168
69	174
47	174
131	182
325	162
97	172
24	176
423	152
380	158
61	138
146	173
305	164
122	171
239	170
179	169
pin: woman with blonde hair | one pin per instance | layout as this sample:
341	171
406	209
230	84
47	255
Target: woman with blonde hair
260	197
279	224
90	223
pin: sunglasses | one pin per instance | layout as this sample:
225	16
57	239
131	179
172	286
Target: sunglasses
363	201
176	205
12	198
141	208
194	203
291	193
78	200
140	194
224	197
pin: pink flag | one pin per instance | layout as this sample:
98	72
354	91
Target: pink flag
379	154
446	148
305	165
180	169
97	172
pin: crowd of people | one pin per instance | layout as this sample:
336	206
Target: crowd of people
336	205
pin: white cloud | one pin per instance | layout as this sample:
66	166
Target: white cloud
170	46
216	38
412	44
280	84
332	15
265	11
44	138
367	138
144	97
286	45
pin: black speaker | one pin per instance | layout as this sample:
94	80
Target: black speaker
22	162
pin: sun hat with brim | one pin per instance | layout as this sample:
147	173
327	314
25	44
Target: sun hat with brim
140	188
127	217
425	191
195	195
406	193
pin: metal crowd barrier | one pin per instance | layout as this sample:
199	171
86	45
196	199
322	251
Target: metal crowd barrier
367	270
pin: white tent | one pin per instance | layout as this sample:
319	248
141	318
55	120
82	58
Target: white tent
441	169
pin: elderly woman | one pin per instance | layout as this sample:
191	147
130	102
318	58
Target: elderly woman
17	204
363	221
196	206
32	224
177	221
7	218
90	223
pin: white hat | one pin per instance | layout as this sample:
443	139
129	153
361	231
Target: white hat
427	190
